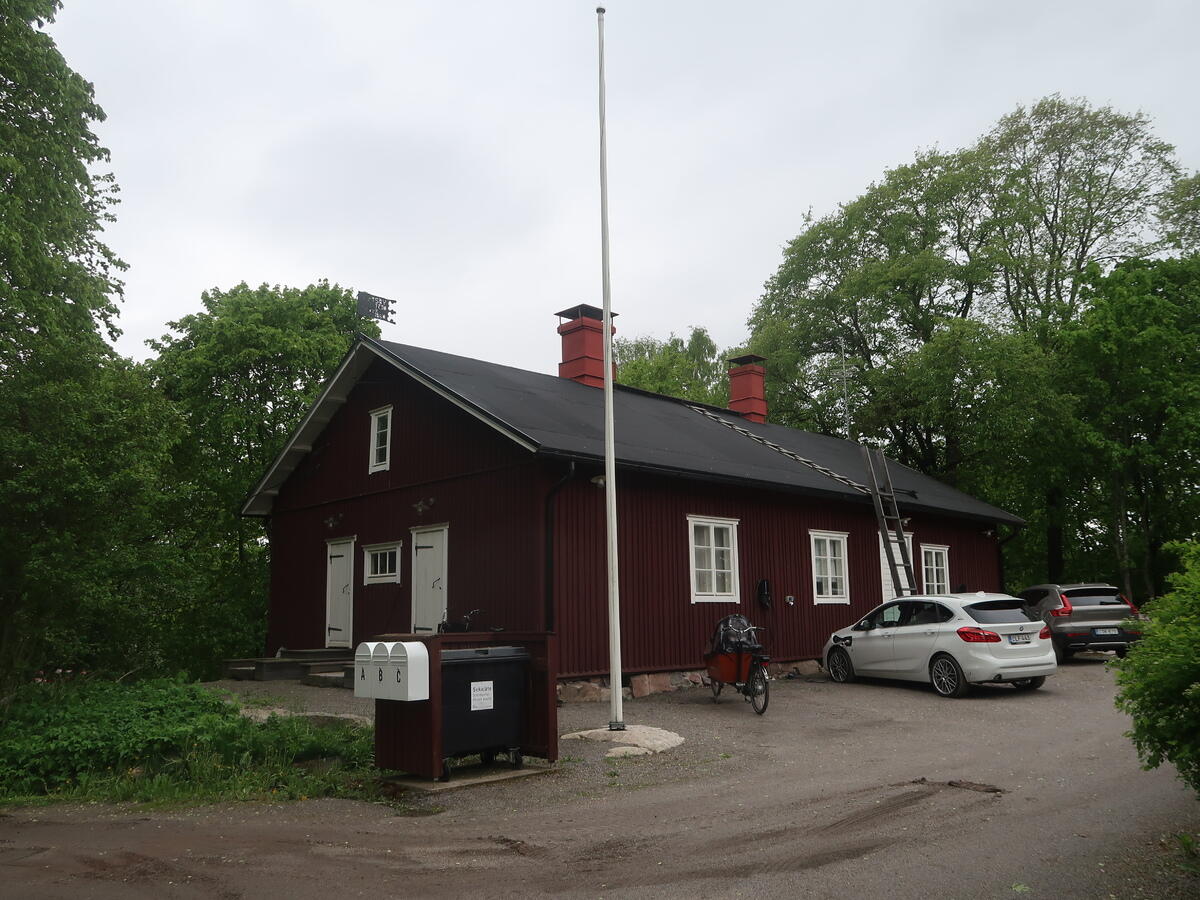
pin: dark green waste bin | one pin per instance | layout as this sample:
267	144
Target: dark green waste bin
483	702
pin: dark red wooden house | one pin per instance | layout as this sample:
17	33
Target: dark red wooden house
422	485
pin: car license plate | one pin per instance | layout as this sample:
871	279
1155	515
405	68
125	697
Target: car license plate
1108	631
1018	638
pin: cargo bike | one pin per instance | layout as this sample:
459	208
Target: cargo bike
736	658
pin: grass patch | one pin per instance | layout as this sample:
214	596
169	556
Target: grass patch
170	742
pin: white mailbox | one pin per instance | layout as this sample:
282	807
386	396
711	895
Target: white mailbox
392	670
362	668
410	659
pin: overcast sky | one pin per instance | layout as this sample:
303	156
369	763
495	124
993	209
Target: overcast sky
445	154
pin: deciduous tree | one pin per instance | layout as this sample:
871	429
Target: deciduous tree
241	374
691	369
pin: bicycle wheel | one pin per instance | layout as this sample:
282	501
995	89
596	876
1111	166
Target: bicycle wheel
716	688
759	689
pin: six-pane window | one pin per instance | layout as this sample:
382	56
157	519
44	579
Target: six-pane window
936	564
381	563
714	559
829	567
381	439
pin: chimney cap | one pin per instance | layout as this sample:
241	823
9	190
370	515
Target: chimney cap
746	359
584	311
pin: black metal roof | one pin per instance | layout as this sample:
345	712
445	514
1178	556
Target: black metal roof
559	417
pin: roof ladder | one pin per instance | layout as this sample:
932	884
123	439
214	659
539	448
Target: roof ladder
891	526
881	491
759	439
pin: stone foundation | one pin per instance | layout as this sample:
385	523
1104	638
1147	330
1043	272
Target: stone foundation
597	690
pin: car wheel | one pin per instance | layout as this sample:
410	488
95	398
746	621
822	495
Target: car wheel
946	676
839	666
1121	651
1061	653
1029	684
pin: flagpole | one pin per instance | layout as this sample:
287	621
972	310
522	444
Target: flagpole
616	713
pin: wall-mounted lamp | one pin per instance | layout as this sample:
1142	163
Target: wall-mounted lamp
598	480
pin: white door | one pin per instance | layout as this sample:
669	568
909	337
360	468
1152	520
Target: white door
891	591
429	578
339	593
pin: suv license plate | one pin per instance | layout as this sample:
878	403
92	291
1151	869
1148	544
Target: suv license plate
1108	631
1018	639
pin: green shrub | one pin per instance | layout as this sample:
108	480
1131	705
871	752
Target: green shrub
1159	680
167	740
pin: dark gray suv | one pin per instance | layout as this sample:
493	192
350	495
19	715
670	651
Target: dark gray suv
1083	616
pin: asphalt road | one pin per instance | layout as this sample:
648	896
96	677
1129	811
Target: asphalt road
861	790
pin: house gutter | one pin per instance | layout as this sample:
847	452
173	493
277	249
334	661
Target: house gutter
548	567
1016	529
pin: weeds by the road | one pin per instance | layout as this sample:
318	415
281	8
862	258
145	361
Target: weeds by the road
169	742
1189	848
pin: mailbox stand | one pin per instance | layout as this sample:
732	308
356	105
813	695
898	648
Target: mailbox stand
410	731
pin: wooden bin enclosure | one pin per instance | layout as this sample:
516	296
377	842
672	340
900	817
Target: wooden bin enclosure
408	736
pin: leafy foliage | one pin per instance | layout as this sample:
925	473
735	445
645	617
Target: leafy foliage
167	740
1068	185
241	375
1159	681
690	369
83	481
56	275
931	311
84	437
1133	363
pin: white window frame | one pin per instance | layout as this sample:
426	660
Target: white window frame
935	549
374	465
735	594
386	578
842	538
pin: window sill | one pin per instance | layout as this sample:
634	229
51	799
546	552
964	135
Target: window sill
719	598
839	601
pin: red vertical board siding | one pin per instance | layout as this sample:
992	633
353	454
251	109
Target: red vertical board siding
447	467
974	553
662	629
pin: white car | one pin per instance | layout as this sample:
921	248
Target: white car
950	640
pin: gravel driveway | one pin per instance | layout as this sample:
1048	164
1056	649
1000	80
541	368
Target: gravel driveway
858	790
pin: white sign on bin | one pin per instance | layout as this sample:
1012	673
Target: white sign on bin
392	670
483	695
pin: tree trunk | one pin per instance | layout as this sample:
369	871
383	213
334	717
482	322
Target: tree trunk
1120	544
1054	534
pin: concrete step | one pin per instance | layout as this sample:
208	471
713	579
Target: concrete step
319	654
276	669
240	673
331	665
227	666
325	679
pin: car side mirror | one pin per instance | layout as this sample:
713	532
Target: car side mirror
864	625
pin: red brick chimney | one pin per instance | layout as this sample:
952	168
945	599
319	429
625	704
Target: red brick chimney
747	387
583	345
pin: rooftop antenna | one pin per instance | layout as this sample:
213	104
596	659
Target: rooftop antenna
845	389
616	713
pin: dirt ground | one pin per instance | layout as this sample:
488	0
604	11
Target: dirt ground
859	790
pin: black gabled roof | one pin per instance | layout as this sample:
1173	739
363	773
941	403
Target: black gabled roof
558	417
